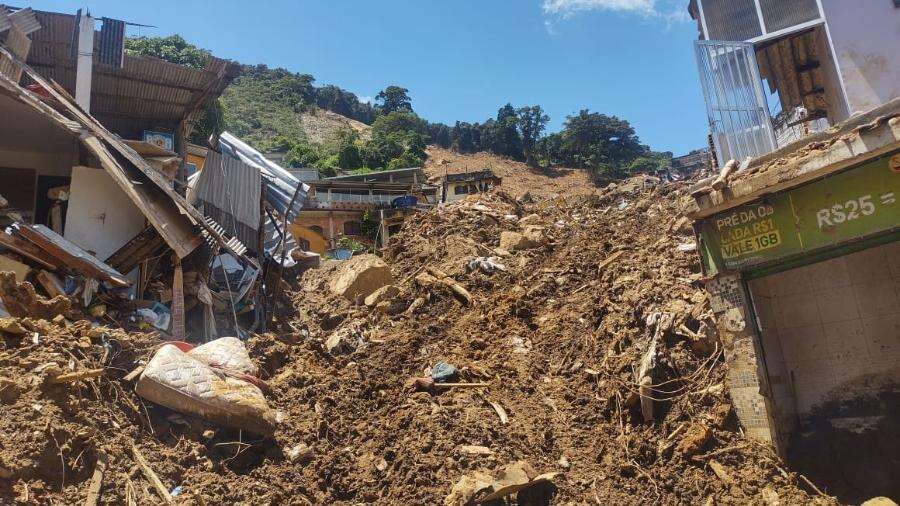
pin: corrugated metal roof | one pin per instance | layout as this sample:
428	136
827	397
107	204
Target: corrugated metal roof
25	20
143	90
4	19
228	190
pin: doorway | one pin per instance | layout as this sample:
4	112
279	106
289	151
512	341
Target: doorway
830	335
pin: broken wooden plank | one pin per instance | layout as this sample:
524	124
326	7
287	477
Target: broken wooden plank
609	260
51	284
71	254
72	377
29	251
93	493
151	476
178	302
145	244
443	278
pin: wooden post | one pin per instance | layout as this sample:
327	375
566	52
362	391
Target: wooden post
276	290
178	302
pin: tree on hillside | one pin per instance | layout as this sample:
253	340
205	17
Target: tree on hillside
398	122
504	133
531	121
173	49
345	103
604	144
394	99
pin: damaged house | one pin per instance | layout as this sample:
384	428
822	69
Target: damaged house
799	235
93	188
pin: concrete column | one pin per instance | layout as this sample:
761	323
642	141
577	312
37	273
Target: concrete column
85	62
747	377
330	223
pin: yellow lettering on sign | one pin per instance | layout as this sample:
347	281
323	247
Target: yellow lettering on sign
769	238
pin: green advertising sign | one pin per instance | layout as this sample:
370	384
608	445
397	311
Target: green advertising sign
849	205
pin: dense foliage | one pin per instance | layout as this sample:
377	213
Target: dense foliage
263	106
172	49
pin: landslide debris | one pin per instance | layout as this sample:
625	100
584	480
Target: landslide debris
553	343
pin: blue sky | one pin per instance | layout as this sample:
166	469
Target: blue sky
461	59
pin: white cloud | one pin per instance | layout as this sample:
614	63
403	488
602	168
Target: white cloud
667	11
567	8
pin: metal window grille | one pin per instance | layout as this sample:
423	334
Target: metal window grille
781	14
754	19
736	106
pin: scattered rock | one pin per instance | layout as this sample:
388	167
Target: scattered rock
12	326
360	277
475	450
514	241
467	488
531	219
300	453
384	294
770	496
9	390
390	307
879	501
482	487
535	235
694	439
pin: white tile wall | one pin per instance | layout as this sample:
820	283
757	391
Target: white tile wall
834	320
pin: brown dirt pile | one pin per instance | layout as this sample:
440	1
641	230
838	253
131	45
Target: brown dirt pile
557	337
518	177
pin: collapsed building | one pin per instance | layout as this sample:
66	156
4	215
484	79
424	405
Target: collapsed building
94	188
798	234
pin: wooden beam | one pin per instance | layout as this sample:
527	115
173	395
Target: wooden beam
51	283
71	254
29	251
178	302
145	244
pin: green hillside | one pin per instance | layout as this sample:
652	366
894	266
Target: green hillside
331	129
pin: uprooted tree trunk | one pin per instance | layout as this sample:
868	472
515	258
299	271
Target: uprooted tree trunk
645	374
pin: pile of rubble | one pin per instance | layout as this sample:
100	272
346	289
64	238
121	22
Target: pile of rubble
499	350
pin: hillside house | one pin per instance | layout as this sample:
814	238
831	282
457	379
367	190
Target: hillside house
336	206
457	186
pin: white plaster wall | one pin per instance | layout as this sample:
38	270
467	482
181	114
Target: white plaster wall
100	218
866	38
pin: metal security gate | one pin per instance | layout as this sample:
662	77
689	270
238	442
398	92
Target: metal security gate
738	114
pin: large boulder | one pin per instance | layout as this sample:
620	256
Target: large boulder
360	277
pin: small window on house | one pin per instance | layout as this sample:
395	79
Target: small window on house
352	228
473	189
460	190
317	229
